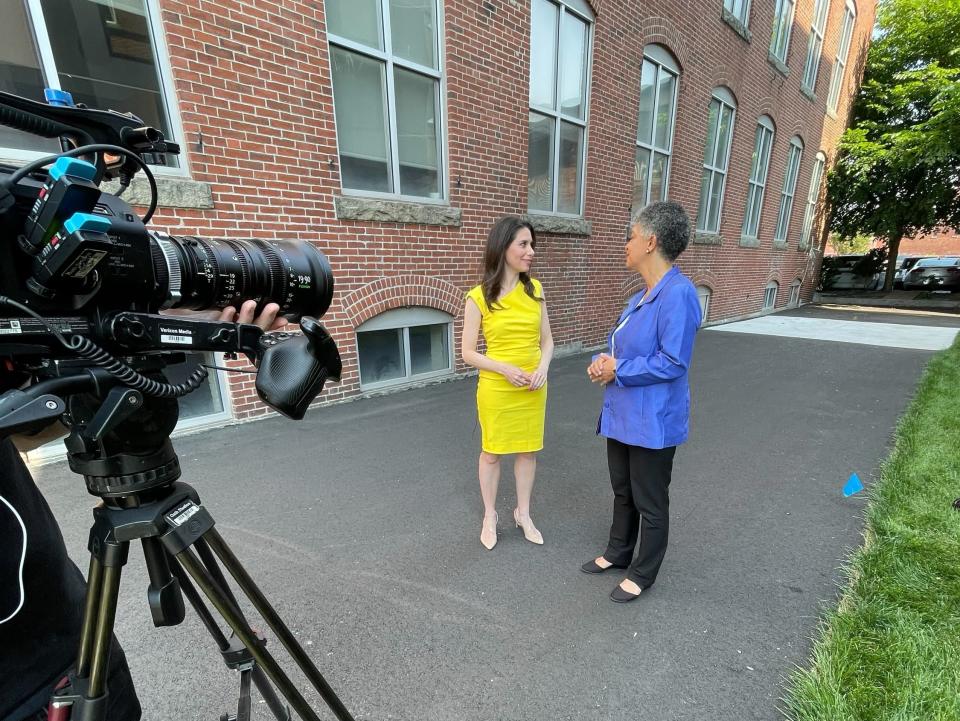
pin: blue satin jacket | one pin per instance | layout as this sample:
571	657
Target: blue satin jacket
648	404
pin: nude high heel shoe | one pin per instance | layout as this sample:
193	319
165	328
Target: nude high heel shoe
488	532
530	531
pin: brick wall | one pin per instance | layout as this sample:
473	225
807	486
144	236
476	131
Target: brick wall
942	243
253	80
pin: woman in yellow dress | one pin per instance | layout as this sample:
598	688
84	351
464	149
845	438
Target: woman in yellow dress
512	390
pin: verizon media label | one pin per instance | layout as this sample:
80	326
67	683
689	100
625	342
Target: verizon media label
176	336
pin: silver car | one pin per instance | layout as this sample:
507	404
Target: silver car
934	274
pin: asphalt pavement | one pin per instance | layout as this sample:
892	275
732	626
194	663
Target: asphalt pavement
361	523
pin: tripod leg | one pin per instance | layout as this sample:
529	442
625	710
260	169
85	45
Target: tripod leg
280	712
267	692
106	615
241	628
92	599
260	602
84	697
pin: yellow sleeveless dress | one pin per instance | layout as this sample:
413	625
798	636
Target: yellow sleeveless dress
511	418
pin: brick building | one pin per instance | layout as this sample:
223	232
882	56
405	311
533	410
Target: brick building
393	132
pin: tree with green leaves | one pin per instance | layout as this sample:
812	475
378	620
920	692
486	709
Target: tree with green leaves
898	165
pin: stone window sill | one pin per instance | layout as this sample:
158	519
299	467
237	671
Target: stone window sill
396	211
803	247
777	63
733	21
171	192
748	242
780	245
559	224
702	238
808	93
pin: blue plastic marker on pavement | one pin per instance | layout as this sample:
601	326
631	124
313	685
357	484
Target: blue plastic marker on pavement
853	485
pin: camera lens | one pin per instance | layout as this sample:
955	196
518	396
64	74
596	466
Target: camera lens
204	273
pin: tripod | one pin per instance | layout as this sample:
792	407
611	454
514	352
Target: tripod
120	444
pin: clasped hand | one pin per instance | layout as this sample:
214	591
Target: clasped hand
520	378
603	369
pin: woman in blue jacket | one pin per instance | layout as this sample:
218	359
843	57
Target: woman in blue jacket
646	402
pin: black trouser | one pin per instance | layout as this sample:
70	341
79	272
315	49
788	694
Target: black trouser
641	481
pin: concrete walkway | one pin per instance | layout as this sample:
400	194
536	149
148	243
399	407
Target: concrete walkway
859	332
361	523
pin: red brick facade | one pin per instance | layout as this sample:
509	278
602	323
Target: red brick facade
253	79
943	243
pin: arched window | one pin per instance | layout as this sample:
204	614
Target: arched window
403	345
716	159
703	295
812	197
795	293
770	295
843	51
659	77
762	143
789	189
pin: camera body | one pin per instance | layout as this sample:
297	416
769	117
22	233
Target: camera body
106	268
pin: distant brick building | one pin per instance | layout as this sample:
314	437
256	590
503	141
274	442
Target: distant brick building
393	133
943	243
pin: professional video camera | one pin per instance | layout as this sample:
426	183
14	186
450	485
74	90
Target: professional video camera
83	340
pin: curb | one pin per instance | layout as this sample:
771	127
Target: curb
918	304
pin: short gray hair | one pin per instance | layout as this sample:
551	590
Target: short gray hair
667	221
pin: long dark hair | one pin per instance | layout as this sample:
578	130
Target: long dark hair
494	258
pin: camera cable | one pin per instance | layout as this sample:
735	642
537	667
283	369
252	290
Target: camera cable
25	170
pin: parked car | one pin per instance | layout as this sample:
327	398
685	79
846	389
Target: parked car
846	272
904	263
934	274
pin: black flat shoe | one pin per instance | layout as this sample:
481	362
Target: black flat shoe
592	566
618	595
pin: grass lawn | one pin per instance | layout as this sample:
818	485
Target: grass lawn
891	650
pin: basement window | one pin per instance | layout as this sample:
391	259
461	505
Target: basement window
404	345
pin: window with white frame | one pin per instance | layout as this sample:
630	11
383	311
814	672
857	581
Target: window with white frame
782	28
658	110
716	158
385	61
404	345
107	54
815	44
812	197
560	47
789	189
770	295
760	165
843	51
703	295
740	9
795	293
